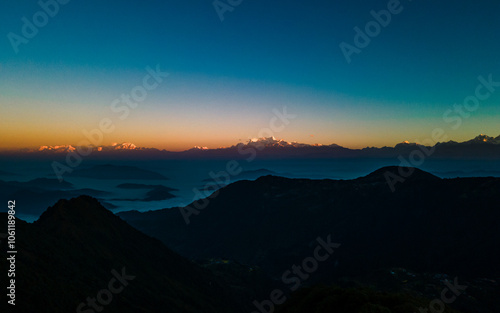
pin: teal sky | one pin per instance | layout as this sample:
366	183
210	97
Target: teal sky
226	77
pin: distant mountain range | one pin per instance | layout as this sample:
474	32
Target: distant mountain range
70	148
482	146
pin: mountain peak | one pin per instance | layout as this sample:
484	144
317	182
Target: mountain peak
62	148
408	173
268	139
79	238
82	211
199	148
123	146
405	144
265	140
485	138
268	142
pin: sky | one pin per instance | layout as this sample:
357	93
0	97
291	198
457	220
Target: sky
227	78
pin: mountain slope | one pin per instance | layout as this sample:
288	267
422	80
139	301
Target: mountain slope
77	246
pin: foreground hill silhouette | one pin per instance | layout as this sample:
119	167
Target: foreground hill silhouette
77	246
427	224
410	240
77	250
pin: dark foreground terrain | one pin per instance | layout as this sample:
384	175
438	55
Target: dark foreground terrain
309	245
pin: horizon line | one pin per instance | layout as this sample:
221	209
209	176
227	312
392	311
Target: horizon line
254	140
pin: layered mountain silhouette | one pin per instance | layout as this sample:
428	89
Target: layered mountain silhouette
77	251
7	174
409	239
36	195
426	224
437	228
108	171
154	192
77	246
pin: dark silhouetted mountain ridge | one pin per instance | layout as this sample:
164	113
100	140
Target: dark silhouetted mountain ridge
72	249
426	224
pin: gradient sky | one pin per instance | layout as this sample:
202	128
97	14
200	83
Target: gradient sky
227	77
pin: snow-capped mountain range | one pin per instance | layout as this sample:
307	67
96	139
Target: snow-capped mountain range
279	143
480	146
479	140
70	148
